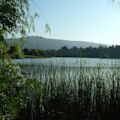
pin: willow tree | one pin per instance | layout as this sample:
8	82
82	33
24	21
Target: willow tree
14	18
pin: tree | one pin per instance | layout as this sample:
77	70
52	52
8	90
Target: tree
15	51
13	16
14	86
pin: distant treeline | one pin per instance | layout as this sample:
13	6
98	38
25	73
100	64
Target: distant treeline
89	52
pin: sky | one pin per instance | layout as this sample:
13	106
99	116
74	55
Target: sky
78	20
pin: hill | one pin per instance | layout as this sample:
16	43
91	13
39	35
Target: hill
35	42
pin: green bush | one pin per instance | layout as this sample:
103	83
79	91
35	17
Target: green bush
16	91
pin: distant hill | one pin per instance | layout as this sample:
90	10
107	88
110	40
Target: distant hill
35	42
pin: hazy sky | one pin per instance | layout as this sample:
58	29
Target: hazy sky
84	20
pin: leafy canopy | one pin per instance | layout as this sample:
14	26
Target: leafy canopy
13	16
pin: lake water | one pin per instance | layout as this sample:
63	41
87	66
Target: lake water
71	69
70	62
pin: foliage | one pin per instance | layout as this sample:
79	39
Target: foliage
79	93
16	52
89	52
13	16
16	91
19	96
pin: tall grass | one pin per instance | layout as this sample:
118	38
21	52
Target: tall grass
78	93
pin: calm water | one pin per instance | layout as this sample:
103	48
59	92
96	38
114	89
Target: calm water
72	62
70	69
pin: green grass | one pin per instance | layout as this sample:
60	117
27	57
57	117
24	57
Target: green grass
79	93
64	93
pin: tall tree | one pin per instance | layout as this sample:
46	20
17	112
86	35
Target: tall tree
13	16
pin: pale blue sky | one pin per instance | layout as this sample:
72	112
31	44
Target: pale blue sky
80	20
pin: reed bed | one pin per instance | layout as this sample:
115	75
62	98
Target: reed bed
78	93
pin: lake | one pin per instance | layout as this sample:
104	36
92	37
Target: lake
71	70
70	62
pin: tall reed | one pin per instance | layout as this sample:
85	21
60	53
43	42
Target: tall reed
78	93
